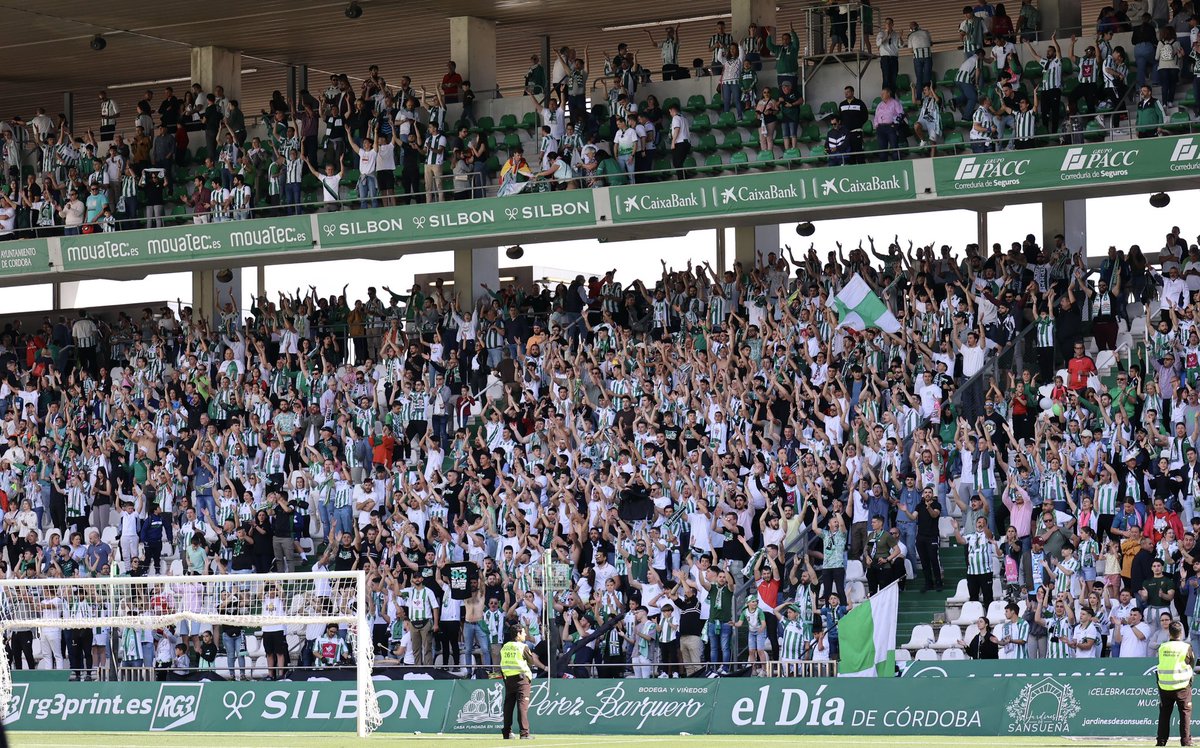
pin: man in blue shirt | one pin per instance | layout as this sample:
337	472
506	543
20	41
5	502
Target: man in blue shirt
96	201
906	506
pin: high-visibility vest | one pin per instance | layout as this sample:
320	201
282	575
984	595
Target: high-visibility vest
512	660
1174	673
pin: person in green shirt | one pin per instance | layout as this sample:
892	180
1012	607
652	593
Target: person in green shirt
747	84
1158	590
786	53
1150	114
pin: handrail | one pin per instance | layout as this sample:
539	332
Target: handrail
725	169
991	365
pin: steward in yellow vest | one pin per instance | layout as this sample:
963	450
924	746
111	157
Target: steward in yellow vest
1175	666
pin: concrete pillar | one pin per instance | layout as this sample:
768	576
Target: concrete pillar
216	66
1066	217
473	49
210	293
65	295
746	12
720	247
472	267
749	239
69	109
981	232
1065	16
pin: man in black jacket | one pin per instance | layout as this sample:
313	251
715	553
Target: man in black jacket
854	113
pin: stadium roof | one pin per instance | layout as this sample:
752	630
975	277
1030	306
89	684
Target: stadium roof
44	48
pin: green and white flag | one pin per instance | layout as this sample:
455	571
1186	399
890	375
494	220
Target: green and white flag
867	636
858	307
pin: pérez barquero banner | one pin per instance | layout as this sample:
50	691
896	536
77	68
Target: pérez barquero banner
183	243
1016	705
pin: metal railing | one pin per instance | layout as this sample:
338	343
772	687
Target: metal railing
1009	358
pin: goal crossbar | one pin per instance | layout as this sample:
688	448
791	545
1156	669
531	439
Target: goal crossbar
117	592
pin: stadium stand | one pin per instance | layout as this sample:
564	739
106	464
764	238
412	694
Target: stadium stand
720	469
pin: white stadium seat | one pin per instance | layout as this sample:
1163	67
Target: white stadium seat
961	595
954	654
972	611
254	647
948	637
854	571
922	636
926	654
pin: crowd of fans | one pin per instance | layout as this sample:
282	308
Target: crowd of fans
704	456
391	141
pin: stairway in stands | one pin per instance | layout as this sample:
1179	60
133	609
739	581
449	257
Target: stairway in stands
917	608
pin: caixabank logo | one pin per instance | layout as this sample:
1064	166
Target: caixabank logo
178	704
1043	707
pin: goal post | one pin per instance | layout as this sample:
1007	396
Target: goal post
247	600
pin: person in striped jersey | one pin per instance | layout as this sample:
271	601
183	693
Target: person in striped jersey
1049	91
794	635
1058	620
1024	135
1012	635
981	555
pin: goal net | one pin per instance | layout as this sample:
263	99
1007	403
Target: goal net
294	614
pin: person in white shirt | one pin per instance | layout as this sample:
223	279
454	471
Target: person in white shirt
1131	634
329	184
681	144
434	149
368	186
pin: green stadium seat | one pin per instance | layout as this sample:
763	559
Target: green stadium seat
732	141
491	142
485	124
493	164
529	121
1068	67
1179	122
903	82
201	154
707	144
1094	132
792	154
817	154
950	78
947	120
695	104
712	164
869	129
512	141
668	103
749	119
727	121
605	131
765	160
739	161
715	103
350	176
507	122
811	133
828	108
701	123
806	113
952	143
1032	70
